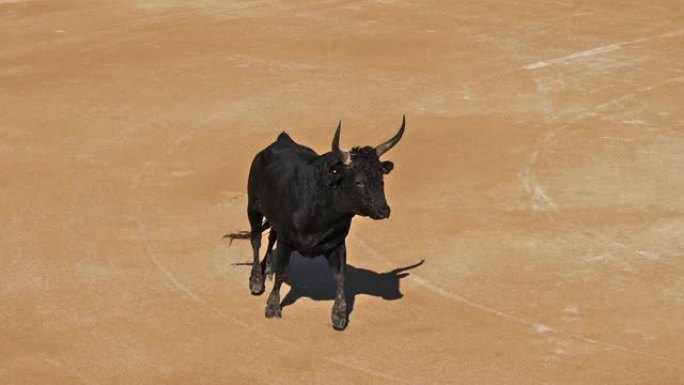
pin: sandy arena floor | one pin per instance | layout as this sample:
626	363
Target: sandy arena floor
540	178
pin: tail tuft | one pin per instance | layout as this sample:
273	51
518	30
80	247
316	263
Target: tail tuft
238	235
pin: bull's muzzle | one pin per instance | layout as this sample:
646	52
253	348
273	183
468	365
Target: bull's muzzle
381	213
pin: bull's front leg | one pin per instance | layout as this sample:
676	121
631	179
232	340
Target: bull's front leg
338	263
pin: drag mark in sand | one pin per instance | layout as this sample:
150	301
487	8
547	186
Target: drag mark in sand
57	364
574	56
541	64
597	51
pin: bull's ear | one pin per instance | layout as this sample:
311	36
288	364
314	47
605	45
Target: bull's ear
387	166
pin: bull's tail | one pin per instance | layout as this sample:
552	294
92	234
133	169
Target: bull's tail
245	234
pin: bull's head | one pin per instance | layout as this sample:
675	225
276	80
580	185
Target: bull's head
359	175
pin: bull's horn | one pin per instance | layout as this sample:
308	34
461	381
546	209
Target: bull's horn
343	155
383	148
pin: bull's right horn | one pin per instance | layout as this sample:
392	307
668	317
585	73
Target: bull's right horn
343	155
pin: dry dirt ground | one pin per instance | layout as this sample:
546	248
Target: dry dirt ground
540	178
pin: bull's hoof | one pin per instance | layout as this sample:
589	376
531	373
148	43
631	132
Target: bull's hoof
256	282
273	309
273	312
269	270
339	315
257	287
339	322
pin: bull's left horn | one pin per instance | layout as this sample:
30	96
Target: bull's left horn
383	148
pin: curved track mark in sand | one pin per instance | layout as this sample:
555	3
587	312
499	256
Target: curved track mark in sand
542	202
459	298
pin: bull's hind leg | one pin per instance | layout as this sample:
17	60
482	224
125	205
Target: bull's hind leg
266	265
280	263
256	277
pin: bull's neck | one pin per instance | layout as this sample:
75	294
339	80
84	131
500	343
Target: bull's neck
329	205
332	202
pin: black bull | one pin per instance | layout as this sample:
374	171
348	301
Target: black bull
308	201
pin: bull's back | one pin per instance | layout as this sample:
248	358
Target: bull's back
273	177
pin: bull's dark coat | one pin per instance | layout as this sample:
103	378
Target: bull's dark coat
309	200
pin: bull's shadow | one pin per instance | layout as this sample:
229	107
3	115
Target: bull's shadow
313	278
